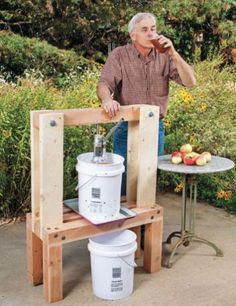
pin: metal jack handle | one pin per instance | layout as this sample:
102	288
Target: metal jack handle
100	142
112	130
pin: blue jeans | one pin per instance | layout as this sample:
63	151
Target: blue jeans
120	146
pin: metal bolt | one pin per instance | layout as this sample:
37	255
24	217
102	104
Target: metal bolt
53	123
55	236
151	114
63	238
152	217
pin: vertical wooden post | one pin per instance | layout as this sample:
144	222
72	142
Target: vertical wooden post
52	271
147	162
132	161
51	129
35	175
34	254
153	246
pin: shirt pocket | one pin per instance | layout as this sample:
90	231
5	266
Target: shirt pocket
160	85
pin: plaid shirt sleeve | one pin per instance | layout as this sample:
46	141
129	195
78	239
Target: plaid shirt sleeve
111	74
174	74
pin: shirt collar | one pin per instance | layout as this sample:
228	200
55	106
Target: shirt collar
151	55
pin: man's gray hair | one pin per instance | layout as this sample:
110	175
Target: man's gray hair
137	18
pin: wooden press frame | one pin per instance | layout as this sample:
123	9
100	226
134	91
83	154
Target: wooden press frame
47	230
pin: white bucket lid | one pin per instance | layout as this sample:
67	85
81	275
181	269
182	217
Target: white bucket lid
116	239
113	159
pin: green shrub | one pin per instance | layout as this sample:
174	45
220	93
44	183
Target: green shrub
205	116
16	101
20	56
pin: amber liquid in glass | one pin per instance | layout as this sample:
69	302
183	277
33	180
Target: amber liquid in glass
161	48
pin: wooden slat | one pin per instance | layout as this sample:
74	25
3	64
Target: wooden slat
34	254
51	169
74	117
35	176
81	229
71	216
52	272
132	161
153	246
147	163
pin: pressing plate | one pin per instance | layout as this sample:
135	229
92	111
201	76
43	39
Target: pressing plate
125	213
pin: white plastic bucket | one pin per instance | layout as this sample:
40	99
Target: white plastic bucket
112	264
99	187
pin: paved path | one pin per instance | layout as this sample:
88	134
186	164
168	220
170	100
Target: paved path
197	277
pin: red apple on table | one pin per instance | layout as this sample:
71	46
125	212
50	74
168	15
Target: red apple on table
201	160
207	156
189	159
195	156
176	157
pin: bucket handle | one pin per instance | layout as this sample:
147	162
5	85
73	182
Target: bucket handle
85	183
106	173
134	265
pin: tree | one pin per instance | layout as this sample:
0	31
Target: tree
89	26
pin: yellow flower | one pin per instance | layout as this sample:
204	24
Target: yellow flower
102	131
202	107
167	123
220	194
179	187
225	195
228	195
186	97
192	139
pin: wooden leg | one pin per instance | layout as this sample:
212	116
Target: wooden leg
153	246
52	272
34	254
137	231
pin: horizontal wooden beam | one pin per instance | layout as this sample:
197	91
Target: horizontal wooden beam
86	116
81	229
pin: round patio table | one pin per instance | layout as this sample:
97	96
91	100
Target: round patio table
189	174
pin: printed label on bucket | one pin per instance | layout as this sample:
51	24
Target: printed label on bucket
96	193
116	285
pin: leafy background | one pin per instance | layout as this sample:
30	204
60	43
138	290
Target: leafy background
51	54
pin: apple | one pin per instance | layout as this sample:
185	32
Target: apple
189	159
176	153
186	148
195	156
207	156
176	159
201	160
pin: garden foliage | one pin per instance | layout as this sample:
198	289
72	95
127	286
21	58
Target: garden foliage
205	116
89	26
20	56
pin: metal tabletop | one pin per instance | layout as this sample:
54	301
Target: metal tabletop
217	164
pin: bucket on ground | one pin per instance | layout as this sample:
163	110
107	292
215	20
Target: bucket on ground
112	264
99	186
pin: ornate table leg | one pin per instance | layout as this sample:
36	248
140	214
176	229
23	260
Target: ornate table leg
186	236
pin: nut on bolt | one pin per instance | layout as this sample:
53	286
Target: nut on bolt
53	123
151	114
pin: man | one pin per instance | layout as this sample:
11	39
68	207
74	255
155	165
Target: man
138	73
